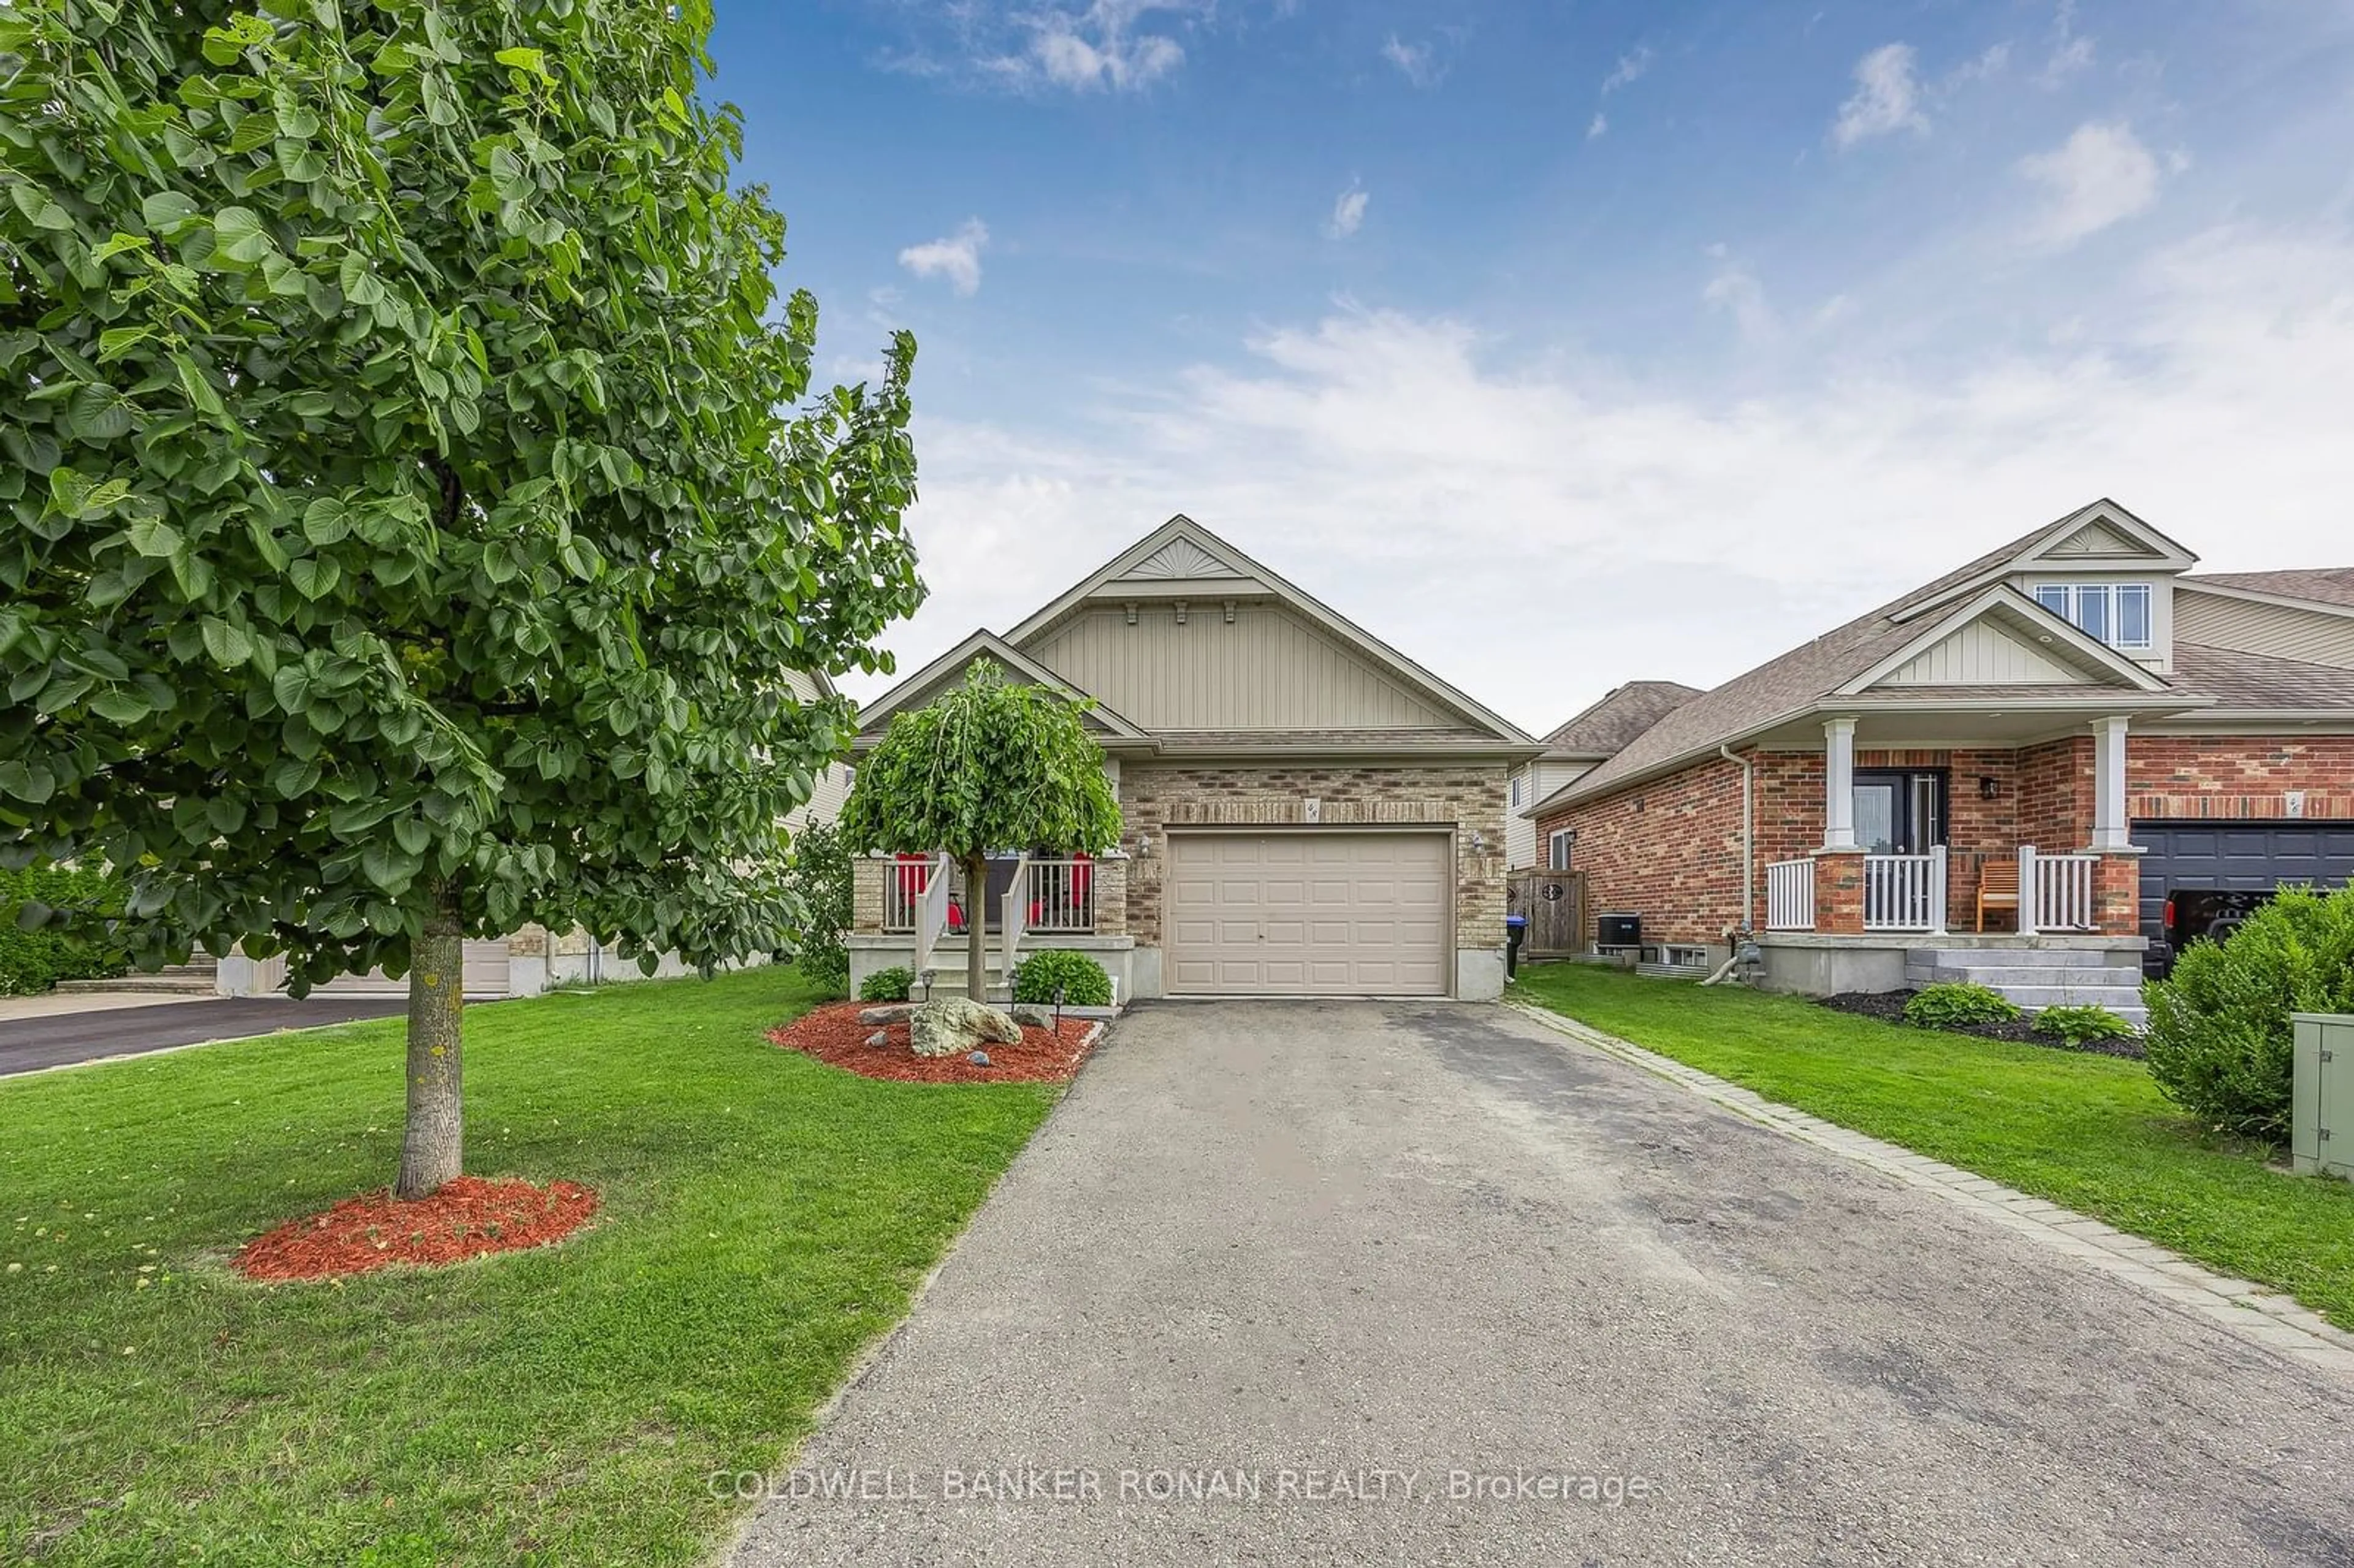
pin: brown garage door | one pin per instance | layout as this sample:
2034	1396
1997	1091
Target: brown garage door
1309	913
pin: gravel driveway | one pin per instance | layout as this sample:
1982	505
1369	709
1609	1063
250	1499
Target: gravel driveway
1363	1259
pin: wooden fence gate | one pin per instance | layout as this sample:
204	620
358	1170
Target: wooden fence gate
1555	902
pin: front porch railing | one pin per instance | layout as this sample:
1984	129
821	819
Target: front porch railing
1904	892
1790	896
2058	891
1058	895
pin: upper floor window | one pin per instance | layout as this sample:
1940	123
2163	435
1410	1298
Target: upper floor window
2116	613
1516	789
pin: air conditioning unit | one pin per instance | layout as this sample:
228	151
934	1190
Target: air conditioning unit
1619	931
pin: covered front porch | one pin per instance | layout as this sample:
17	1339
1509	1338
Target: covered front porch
2001	856
915	912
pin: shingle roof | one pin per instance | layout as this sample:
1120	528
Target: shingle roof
2328	585
1804	676
2241	679
1614	721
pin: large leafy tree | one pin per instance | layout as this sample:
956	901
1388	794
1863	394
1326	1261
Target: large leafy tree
416	497
987	766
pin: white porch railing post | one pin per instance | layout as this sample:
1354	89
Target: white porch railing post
932	909
2029	921
1790	896
1937	891
1017	909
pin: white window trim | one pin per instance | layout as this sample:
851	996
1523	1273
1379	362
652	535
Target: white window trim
1516	789
1560	845
2070	594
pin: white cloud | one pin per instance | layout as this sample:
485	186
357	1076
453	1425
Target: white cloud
1537	529
1599	126
1887	98
1105	46
1628	70
1734	289
1415	61
1348	213
2102	175
955	257
2070	52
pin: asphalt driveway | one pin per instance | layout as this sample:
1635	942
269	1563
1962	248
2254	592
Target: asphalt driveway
58	1039
1363	1258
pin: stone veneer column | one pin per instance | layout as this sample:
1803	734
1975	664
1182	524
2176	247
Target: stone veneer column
868	878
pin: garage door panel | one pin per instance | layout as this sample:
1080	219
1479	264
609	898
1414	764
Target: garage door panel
2236	857
1319	914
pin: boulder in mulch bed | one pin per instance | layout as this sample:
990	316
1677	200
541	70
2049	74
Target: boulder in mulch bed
470	1217
952	1025
833	1035
889	1012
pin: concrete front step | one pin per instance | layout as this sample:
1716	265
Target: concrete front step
2018	957
2119	977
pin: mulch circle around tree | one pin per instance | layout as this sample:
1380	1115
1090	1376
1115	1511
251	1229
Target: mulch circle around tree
468	1217
833	1035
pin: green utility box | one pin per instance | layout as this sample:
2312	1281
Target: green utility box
2321	1112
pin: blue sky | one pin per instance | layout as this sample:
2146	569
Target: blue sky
1566	344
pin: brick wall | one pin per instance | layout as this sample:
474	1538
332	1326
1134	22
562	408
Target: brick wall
1670	850
2238	775
1468	797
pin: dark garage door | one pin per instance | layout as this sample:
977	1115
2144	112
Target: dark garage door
2237	857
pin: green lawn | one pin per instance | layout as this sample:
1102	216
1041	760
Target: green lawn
764	1217
2089	1133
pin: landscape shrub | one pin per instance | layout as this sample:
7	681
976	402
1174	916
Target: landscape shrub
887	985
77	948
1083	981
2219	1035
820	879
1957	1005
2075	1026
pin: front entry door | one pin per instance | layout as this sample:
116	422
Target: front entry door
1900	813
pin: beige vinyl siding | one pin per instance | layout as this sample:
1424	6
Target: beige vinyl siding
1266	668
1980	654
2281	631
824	803
1539	779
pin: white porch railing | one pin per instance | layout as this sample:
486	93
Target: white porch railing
1904	892
1013	911
1790	896
2055	891
1062	895
932	910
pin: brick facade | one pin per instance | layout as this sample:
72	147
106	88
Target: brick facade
1670	849
2239	776
1468	797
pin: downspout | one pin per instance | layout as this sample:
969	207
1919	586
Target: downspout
1748	859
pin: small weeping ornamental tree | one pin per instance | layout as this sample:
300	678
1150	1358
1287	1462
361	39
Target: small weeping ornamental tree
414	508
988	767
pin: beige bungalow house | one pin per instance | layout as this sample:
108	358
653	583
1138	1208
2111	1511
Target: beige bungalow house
1307	811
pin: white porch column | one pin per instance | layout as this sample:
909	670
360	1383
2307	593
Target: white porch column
1838	784
2111	831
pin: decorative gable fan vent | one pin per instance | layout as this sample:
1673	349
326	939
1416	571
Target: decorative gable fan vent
1182	558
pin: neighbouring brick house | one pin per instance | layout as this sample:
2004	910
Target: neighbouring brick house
2077	713
1306	810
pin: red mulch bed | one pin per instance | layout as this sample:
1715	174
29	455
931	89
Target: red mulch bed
467	1218
833	1035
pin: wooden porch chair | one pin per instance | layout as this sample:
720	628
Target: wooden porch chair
1998	889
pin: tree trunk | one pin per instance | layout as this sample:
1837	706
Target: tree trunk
976	926
433	1146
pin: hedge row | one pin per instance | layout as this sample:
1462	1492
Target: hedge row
77	949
